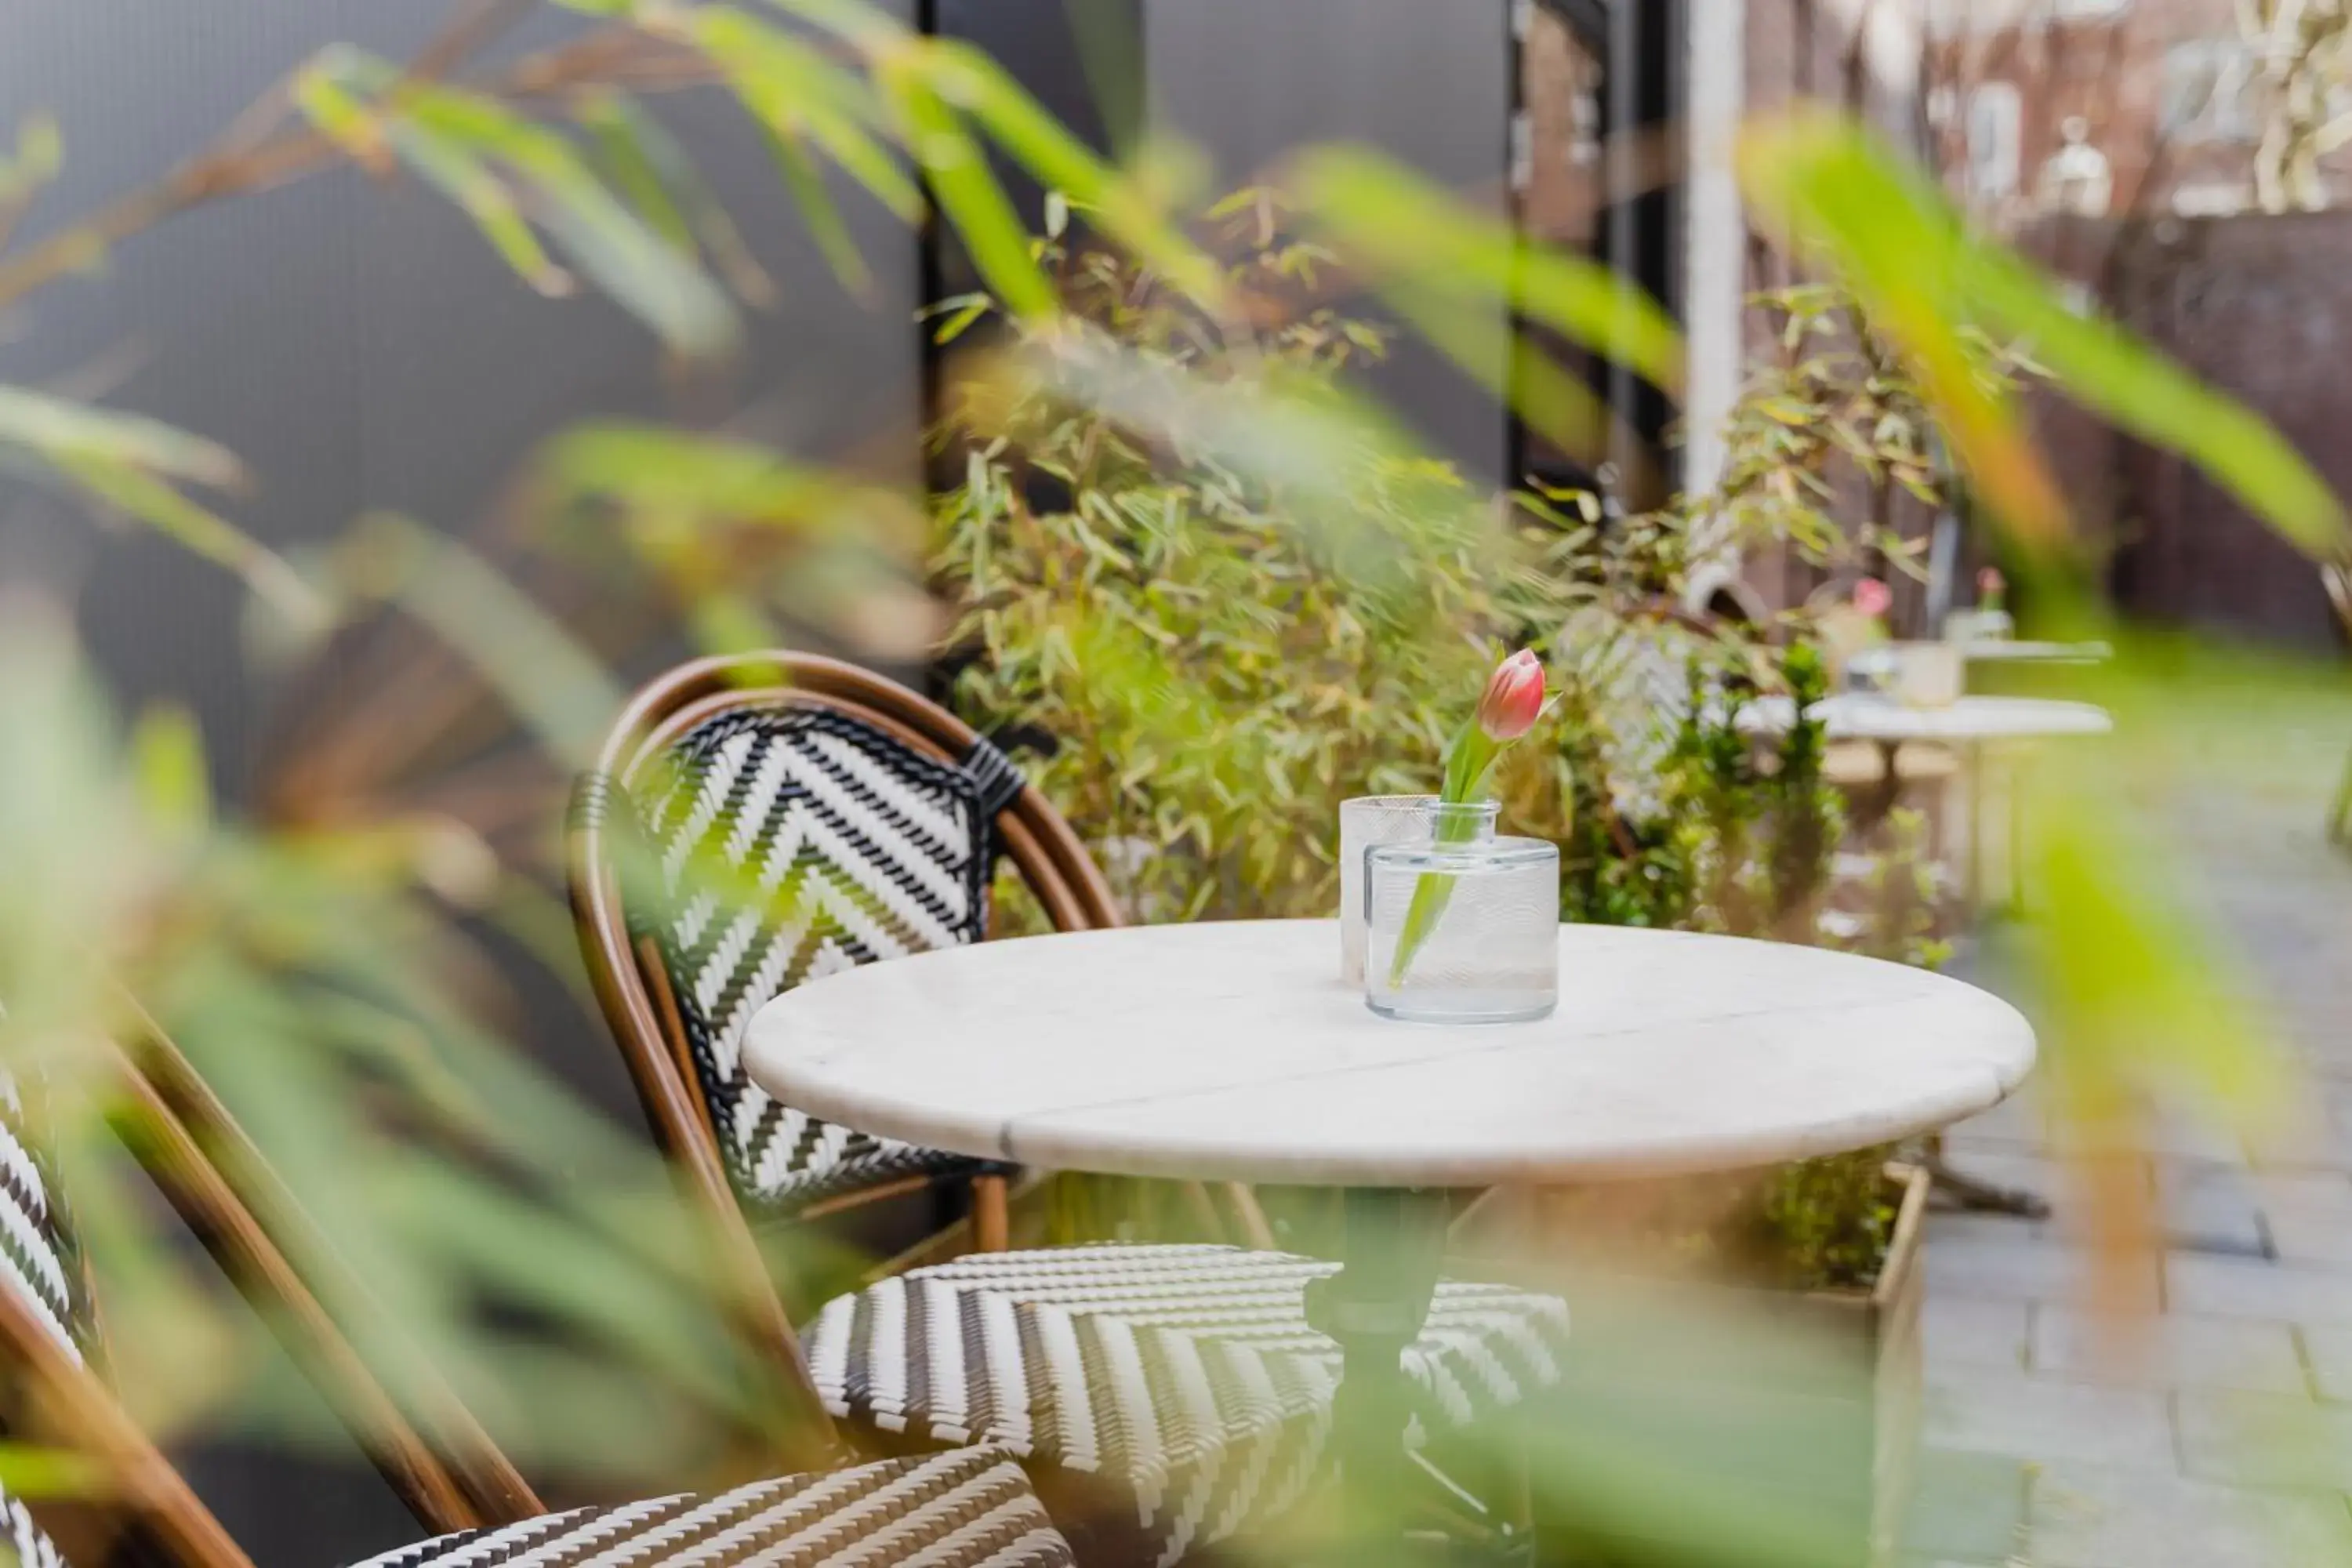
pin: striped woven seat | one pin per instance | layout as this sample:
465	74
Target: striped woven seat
969	1508
1186	1375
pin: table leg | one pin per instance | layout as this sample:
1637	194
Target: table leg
1375	1307
1974	1194
1974	894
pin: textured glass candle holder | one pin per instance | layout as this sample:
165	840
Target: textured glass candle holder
1488	950
1365	821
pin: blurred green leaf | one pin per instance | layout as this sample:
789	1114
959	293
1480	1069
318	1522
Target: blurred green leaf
171	512
1413	238
967	77
134	465
703	477
511	174
1833	192
800	95
654	173
966	189
548	679
342	114
727	524
40	153
959	81
806	183
954	315
30	1470
167	760
59	429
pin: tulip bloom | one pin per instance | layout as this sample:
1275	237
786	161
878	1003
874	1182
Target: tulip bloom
1872	598
1989	588
1514	697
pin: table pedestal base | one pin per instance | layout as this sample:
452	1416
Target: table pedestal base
1375	1308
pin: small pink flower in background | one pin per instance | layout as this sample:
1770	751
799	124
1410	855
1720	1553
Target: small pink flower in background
1872	598
1513	696
1989	582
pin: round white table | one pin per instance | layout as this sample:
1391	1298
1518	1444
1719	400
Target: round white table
1232	1051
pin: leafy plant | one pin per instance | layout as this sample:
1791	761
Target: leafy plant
1212	658
1831	430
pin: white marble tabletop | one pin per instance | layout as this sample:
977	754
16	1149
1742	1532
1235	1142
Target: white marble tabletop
1864	717
1233	1052
2011	651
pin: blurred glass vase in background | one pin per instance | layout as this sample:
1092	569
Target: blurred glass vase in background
1463	926
1365	821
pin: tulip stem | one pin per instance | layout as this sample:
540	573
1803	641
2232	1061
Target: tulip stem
1468	761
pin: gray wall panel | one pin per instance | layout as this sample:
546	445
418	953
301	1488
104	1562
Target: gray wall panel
1427	81
360	346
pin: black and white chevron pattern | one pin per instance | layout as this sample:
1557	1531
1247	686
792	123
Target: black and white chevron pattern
38	1259
971	1509
28	1540
1187	1373
793	843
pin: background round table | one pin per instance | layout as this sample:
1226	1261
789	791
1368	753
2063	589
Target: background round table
2009	650
1971	721
1233	1052
1968	725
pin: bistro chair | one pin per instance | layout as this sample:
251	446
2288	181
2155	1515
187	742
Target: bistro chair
1165	1397
967	1508
869	821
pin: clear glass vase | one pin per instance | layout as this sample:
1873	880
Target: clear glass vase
1364	821
1464	926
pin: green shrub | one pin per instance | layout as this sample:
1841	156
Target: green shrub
1217	659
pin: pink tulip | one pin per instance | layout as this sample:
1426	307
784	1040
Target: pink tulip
1872	598
1990	583
1513	696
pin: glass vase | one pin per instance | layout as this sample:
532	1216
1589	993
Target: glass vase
1462	927
1364	821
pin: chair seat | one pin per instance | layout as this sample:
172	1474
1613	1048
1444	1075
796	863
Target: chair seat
1188	1375
969	1509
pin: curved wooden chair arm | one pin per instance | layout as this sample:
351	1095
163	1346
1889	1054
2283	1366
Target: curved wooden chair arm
59	1404
246	1218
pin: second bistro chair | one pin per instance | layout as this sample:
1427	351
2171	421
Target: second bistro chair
975	1509
1166	1398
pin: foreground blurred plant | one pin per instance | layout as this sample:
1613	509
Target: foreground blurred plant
1170	505
525	1247
569	175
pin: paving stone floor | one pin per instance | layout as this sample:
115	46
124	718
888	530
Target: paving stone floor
2224	1438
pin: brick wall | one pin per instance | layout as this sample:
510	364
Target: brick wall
2261	305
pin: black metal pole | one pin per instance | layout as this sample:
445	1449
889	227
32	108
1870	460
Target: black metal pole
1375	1308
